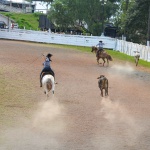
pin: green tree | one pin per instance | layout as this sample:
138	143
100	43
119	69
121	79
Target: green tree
137	21
61	15
91	12
133	20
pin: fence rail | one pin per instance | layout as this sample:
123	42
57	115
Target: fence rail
129	48
77	40
48	37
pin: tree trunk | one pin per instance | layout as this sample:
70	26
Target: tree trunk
102	18
127	5
148	33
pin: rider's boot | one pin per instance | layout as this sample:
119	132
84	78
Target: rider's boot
40	82
55	81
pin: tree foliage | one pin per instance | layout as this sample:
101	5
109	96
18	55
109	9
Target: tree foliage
130	16
133	20
91	12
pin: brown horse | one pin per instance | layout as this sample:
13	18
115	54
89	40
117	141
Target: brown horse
102	55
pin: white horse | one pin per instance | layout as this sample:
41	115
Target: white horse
48	84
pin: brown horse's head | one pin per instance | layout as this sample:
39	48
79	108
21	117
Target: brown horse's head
94	49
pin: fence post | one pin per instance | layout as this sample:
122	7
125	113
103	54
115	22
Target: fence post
115	47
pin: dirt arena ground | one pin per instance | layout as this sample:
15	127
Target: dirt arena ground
76	117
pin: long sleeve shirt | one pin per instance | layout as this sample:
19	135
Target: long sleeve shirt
100	45
47	62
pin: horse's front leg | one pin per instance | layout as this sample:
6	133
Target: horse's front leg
107	62
103	61
97	60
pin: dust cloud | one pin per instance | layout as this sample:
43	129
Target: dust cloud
49	116
119	129
126	68
41	131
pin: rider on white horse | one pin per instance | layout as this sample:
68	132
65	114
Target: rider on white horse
47	69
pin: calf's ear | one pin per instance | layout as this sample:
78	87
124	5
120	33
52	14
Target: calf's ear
98	77
101	76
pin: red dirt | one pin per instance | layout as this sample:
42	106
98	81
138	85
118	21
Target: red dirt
76	117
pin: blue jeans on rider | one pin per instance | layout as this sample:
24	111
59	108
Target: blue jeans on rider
99	51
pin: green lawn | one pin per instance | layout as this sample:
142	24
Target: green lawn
29	21
122	56
114	54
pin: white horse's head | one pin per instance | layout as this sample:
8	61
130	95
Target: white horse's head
48	84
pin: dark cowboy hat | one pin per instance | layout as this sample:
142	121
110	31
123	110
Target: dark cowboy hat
49	55
100	41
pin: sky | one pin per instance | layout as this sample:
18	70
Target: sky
40	6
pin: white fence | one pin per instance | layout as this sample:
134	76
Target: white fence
47	37
78	40
129	48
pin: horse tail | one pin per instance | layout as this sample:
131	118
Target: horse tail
110	58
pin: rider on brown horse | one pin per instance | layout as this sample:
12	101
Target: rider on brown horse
100	48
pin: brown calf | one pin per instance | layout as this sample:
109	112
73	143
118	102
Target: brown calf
103	84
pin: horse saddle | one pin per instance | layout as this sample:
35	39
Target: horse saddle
45	73
103	52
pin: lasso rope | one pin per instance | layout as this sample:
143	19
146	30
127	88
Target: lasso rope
37	58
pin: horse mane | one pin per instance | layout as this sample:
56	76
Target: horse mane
94	49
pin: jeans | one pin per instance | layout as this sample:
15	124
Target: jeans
99	51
